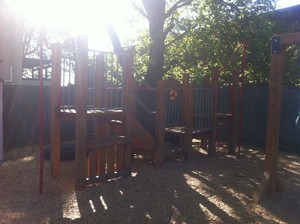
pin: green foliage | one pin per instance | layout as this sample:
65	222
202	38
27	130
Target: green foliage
206	34
220	27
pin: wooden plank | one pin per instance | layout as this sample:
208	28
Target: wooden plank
81	83
55	103
141	133
129	103
105	177
120	157
232	122
160	125
99	79
102	160
111	158
290	38
188	115
215	86
272	184
93	163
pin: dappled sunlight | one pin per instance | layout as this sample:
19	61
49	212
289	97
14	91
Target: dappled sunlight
243	199
92	206
223	206
103	203
205	191
197	185
266	215
208	214
176	215
70	206
27	159
205	176
255	154
148	216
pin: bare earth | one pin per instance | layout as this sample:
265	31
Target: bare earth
203	190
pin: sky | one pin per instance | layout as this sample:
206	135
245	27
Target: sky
287	3
89	17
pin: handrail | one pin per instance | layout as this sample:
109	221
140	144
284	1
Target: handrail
144	106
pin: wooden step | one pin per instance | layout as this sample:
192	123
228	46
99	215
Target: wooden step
98	143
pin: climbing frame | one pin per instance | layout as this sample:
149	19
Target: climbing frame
102	93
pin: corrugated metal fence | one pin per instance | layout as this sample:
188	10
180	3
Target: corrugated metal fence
21	116
255	106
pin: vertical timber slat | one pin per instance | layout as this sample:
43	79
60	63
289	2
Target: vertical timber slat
188	115
55	119
129	103
160	123
81	83
213	136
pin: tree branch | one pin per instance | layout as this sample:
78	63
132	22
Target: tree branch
179	37
140	10
231	5
171	64
169	27
177	5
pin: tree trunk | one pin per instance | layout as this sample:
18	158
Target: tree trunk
155	10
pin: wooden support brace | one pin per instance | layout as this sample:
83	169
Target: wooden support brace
55	104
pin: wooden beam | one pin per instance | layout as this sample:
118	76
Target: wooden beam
129	102
55	104
290	38
81	83
215	86
188	115
160	125
271	183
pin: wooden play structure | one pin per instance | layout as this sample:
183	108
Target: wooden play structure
99	154
271	182
97	91
186	112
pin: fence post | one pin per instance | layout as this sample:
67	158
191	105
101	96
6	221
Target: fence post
160	125
55	104
1	122
188	115
81	84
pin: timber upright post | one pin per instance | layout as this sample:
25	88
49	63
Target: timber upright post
129	101
215	84
55	104
188	115
81	94
160	125
271	182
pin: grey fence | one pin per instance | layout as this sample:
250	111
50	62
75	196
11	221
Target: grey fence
21	116
254	122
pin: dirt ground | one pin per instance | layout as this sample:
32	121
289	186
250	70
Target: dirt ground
202	190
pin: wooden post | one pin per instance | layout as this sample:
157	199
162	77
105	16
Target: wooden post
271	182
232	122
160	125
55	106
129	102
81	82
99	91
188	115
215	86
1	122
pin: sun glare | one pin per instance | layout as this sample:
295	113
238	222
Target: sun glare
85	17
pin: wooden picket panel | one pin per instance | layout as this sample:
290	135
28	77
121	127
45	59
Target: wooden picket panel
119	158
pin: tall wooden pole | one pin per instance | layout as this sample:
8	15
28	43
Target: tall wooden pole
271	182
